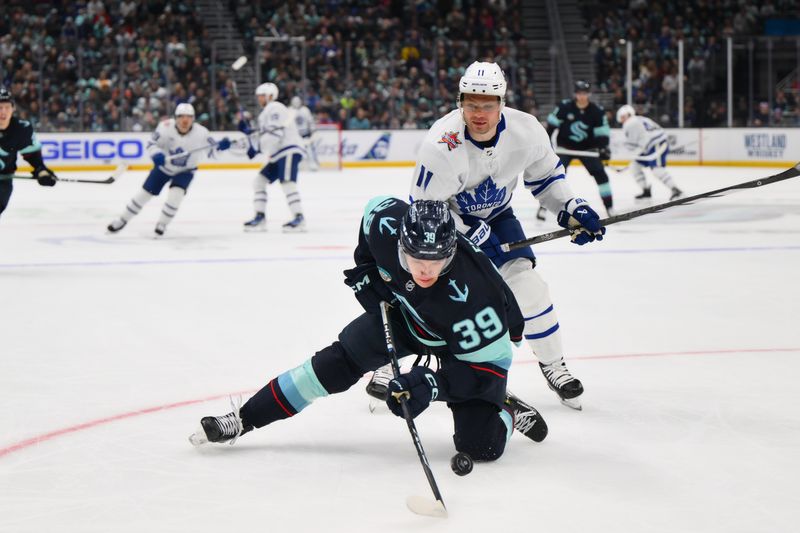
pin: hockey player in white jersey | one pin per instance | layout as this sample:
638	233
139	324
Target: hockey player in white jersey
305	127
472	159
277	137
649	144
176	147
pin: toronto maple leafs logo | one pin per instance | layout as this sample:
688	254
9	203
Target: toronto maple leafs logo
450	138
484	196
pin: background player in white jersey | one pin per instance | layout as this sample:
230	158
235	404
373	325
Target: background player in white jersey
305	127
649	143
279	139
472	158
176	147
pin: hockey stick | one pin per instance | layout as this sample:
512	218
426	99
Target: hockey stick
417	504
107	181
576	153
785	175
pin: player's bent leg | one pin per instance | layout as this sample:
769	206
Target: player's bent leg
259	220
542	329
132	209
481	429
641	180
174	198
595	167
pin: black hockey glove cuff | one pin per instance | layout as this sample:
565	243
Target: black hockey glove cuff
44	176
368	287
419	387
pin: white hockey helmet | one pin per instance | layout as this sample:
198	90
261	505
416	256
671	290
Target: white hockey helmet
296	102
184	109
270	90
625	112
483	78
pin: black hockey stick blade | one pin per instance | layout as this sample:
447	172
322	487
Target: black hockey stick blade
106	181
622	217
417	504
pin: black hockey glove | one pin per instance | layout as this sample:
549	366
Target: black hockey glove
44	176
605	153
419	387
582	221
368	287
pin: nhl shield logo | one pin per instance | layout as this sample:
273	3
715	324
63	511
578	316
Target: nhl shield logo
410	285
450	138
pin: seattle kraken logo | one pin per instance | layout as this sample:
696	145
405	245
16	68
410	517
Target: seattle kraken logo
379	150
578	131
486	196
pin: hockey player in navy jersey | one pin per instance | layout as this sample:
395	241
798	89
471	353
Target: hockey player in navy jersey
17	137
582	125
472	159
448	301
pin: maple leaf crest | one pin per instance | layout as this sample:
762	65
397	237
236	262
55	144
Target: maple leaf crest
486	195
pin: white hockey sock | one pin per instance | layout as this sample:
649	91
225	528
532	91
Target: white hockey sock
135	205
260	194
174	198
662	174
533	296
638	175
292	197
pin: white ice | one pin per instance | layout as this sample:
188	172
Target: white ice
682	325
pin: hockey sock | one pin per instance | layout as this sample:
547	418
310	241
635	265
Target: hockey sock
174	198
292	197
664	176
260	194
135	205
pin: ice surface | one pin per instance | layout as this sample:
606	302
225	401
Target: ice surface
682	325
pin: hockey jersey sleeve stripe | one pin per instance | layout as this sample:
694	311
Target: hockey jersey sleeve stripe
543	334
549	181
35	147
553	119
602	131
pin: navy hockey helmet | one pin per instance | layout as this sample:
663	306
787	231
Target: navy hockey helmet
582	86
428	231
5	95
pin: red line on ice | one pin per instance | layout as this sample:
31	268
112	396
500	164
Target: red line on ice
131	414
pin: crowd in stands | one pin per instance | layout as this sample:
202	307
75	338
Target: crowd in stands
654	30
95	65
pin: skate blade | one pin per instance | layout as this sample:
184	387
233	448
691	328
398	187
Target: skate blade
198	438
294	230
378	406
572	403
259	229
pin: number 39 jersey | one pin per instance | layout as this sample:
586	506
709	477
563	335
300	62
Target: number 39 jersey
469	313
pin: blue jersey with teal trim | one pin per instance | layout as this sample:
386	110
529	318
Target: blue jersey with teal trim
579	129
469	313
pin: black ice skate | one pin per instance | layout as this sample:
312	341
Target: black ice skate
541	214
645	194
563	383
527	420
296	225
116	225
160	229
258	223
676	193
219	429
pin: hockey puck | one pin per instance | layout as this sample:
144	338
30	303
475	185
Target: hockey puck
461	463
239	63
